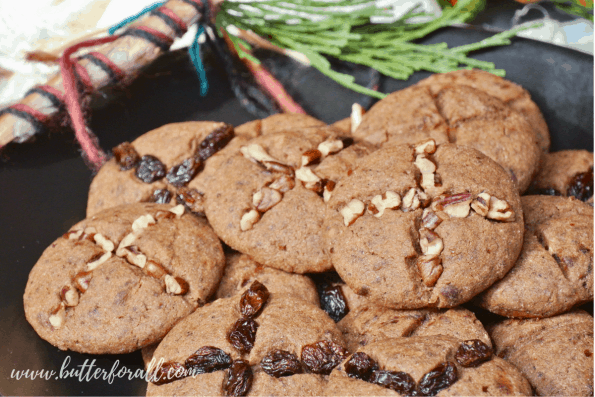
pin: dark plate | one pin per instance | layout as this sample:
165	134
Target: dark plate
44	184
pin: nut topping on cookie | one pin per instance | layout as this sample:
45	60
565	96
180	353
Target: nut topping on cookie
330	146
143	222
430	269
93	265
328	190
357	112
178	210
481	204
126	242
154	269
254	152
431	244
427	147
352	211
306	175
427	169
266	198
175	285
82	281
106	244
390	200
283	184
58	316
430	220
500	210
311	157
456	205
249	219
69	296
411	200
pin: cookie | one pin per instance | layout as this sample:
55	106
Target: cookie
368	324
555	269
420	230
157	166
506	91
241	271
277	123
433	365
565	173
120	280
265	344
270	203
555	354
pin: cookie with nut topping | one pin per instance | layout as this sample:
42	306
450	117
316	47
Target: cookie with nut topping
428	366
120	280
158	165
555	269
424	226
269	201
256	344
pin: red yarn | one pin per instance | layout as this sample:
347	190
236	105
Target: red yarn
91	150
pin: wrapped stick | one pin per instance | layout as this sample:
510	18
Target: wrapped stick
118	61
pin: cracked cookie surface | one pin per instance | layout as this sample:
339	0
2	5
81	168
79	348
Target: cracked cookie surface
555	269
438	247
121	279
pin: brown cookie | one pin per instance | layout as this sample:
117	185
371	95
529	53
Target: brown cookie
508	92
555	354
283	345
433	365
414	230
241	271
368	324
270	205
121	279
277	123
555	269
157	166
565	173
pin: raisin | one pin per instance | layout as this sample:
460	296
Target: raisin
280	363
215	141
161	196
473	352
239	379
360	366
347	141
581	185
242	334
441	377
208	359
332	301
253	299
191	199
401	382
150	169
125	155
321	357
181	174
168	372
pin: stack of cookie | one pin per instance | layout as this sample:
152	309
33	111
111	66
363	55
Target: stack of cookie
347	253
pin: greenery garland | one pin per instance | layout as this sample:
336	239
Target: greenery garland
342	29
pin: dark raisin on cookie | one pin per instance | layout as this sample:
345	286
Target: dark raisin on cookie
215	141
473	352
181	174
441	377
253	299
243	334
161	196
126	156
333	302
150	169
208	359
321	357
239	379
168	372
280	363
401	382
581	185
360	366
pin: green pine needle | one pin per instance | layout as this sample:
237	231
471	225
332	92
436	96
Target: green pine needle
319	28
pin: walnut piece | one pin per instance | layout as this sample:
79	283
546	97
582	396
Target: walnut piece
126	242
410	200
95	264
500	210
430	269
311	157
306	175
69	296
154	269
283	184
352	211
266	198
430	220
249	219
255	153
58	316
74	234
330	146
328	190
178	210
388	200
481	204
175	285
427	169
426	147
357	112
106	244
82	280
456	205
431	244
142	222
134	256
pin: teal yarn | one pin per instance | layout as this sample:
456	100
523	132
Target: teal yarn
133	18
194	52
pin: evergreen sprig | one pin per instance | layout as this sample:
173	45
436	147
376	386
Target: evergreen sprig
342	29
581	8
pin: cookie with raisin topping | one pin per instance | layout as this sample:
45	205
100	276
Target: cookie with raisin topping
292	345
422	226
156	166
120	280
555	269
555	354
565	173
428	365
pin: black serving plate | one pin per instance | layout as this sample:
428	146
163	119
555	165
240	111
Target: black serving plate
44	184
